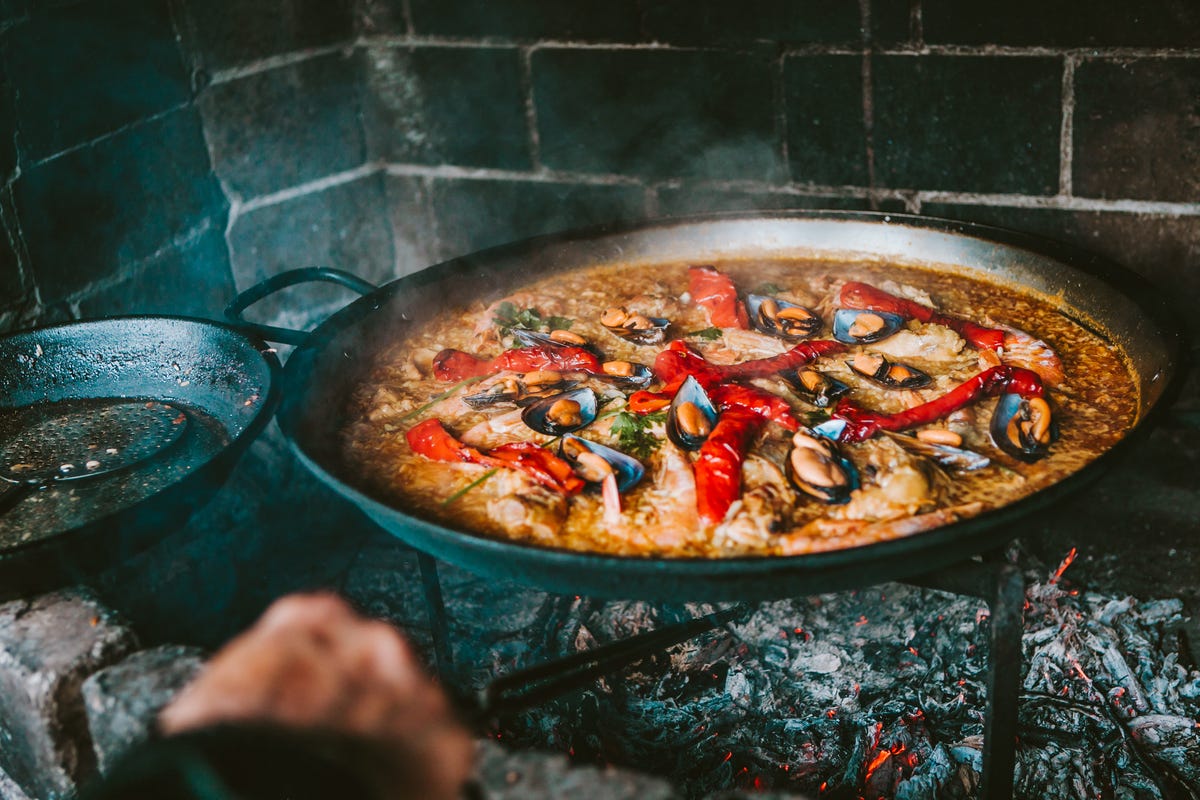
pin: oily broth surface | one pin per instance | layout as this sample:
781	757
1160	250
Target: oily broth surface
1094	407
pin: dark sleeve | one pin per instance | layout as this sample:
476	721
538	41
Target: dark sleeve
244	763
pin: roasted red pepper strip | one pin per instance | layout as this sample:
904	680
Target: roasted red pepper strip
756	401
433	441
716	293
455	365
866	297
645	402
678	361
862	424
719	465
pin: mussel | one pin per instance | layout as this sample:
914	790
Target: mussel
518	389
594	462
816	467
562	413
634	327
855	326
692	416
891	374
949	455
782	318
627	374
1023	427
560	337
815	386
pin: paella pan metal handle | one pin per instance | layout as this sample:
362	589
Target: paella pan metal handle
292	277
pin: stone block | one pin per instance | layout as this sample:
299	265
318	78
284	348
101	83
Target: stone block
414	231
1067	23
967	123
286	126
1137	133
90	212
233	32
87	69
48	646
708	22
344	226
699	200
446	105
657	113
122	701
474	214
827	140
8	127
891	22
587	20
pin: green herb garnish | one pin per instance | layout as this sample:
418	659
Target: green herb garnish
711	334
509	317
767	288
442	396
470	486
633	432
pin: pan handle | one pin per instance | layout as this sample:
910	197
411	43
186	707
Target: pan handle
273	284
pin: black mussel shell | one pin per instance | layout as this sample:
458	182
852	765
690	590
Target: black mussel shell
530	338
540	415
844	319
806	323
821	458
641	378
686	436
628	470
656	333
1013	427
823	390
894	375
955	458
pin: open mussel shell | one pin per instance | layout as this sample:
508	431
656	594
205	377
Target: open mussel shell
557	338
856	326
1023	427
891	374
521	390
782	318
954	458
817	467
626	374
581	455
634	327
562	413
814	386
691	417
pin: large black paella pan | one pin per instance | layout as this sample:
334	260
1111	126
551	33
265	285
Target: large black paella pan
322	373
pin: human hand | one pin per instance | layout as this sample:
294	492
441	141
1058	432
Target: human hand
312	663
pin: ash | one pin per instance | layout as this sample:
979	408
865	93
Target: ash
873	693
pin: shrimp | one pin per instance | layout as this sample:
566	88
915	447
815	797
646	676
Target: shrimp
742	345
928	342
500	429
524	508
1022	350
672	501
766	496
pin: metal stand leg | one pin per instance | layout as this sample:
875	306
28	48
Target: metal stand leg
1002	586
443	651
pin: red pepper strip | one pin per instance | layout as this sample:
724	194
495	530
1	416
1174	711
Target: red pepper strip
678	361
864	296
756	401
716	293
862	424
719	465
455	365
433	441
644	402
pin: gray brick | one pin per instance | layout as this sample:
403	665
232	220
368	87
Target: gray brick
657	113
233	32
827	141
700	200
705	22
1137	129
967	123
48	646
414	231
122	701
1064	23
447	105
590	20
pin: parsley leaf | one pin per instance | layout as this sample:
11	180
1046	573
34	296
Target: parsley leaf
767	288
633	432
509	317
711	334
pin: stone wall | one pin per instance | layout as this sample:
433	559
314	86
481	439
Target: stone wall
167	151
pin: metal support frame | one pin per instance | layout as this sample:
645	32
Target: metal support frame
998	583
